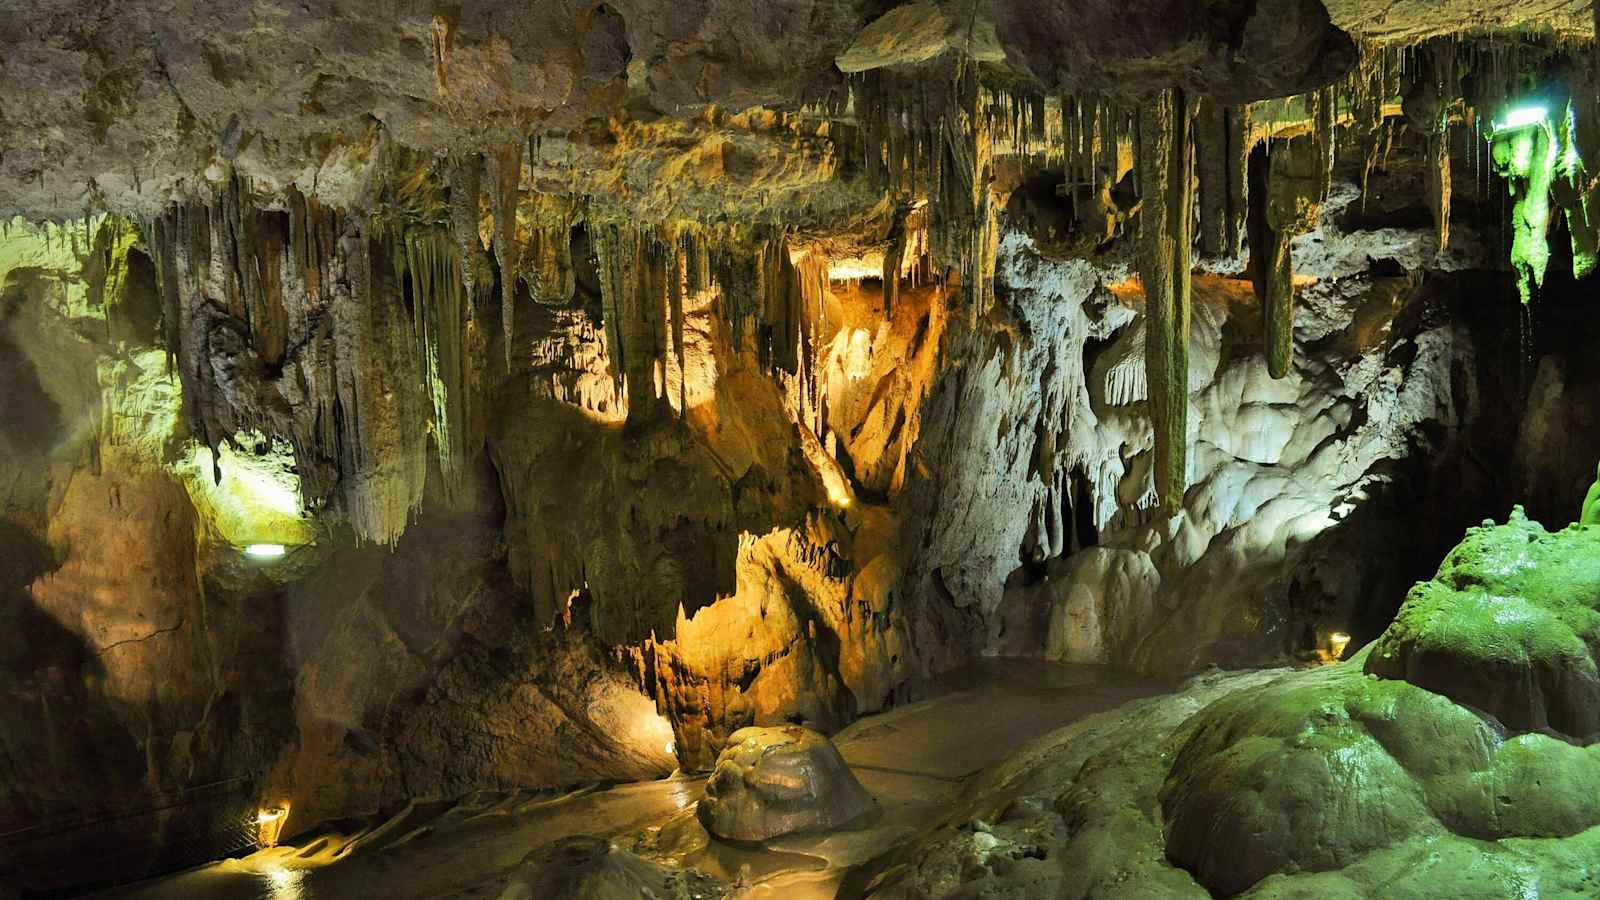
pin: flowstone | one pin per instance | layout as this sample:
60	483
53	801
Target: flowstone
1466	718
1318	768
1336	781
1509	626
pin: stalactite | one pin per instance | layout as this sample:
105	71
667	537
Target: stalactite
1211	145
1438	184
1426	105
894	258
1323	135
782	308
440	299
933	135
677	282
465	177
612	256
969	233
345	339
1527	159
550	250
505	179
812	274
1221	155
1166	164
1286	187
1125	376
1239	143
1271	267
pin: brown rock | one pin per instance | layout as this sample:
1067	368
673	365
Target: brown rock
775	781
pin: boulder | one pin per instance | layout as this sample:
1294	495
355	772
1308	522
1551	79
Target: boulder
774	781
1509	626
584	867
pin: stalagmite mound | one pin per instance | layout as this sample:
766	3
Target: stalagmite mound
776	781
590	868
1510	626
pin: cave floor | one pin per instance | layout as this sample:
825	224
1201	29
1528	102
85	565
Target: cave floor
914	758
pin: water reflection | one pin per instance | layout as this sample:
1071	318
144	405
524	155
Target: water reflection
282	882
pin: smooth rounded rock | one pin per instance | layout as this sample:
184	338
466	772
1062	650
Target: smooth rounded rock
585	867
774	781
1510	626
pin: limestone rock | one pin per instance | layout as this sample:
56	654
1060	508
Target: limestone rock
590	868
1510	625
775	781
917	32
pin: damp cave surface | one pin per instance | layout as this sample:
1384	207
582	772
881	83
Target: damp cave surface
839	448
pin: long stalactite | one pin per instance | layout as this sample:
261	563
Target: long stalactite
1166	161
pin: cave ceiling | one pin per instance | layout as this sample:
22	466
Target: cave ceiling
131	106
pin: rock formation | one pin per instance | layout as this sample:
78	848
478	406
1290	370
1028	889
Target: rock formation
769	782
587	868
405	400
1345	780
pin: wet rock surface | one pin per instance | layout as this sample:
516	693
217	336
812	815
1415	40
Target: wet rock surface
591	868
1325	779
769	782
1509	626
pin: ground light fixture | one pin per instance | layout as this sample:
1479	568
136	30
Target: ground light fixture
1337	642
264	551
269	825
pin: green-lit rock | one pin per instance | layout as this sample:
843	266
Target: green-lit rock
1428	868
1509	626
1590	512
1295	774
1322	767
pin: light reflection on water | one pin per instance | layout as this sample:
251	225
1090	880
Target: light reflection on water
282	882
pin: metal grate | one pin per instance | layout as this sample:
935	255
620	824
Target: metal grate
66	854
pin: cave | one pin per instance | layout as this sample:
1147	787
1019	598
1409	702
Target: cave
818	449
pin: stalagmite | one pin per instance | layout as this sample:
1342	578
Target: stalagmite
1166	163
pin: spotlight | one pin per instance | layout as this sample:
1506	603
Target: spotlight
1336	644
269	824
1521	117
264	551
